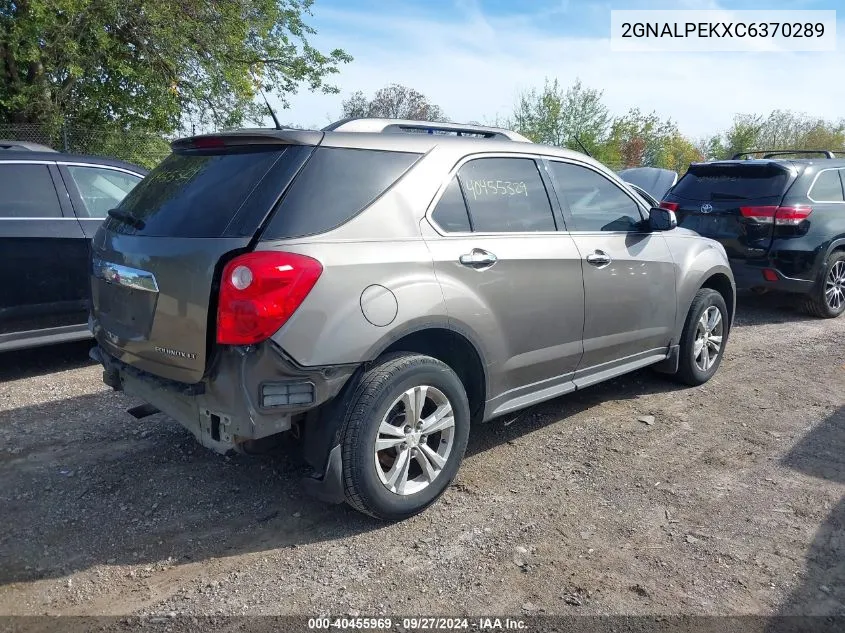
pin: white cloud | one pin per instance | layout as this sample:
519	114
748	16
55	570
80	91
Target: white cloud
474	66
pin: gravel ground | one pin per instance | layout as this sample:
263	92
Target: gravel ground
731	502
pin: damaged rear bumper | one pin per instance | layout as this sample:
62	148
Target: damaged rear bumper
247	394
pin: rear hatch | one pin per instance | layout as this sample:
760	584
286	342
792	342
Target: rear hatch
157	259
731	202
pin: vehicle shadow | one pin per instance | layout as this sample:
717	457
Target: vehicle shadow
772	307
89	485
38	361
821	454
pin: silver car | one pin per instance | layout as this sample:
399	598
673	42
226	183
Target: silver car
378	286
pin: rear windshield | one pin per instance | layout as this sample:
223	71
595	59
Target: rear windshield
334	186
731	182
195	195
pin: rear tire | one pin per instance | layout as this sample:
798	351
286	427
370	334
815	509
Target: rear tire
827	299
420	446
704	338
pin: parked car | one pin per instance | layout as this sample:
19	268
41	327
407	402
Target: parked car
780	219
655	181
378	289
18	146
51	204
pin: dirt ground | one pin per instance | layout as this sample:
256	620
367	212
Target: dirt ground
731	502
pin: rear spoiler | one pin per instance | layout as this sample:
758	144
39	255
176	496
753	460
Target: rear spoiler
770	153
245	138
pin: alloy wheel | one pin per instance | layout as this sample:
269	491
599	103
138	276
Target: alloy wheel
834	286
708	338
414	440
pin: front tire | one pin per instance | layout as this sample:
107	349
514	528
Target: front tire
704	338
827	300
404	435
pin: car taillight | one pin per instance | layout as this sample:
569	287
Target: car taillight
259	292
671	206
782	216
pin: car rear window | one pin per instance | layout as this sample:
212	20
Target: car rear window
731	182
334	186
195	194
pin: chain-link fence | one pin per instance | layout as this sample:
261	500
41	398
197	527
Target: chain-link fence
140	148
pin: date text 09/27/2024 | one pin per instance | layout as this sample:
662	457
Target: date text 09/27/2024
418	624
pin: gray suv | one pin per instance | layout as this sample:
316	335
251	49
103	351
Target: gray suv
379	286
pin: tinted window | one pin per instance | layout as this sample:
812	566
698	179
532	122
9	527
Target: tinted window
27	191
451	210
506	195
195	195
101	189
333	187
596	203
731	182
827	187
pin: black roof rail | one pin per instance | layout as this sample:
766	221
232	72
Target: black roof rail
768	153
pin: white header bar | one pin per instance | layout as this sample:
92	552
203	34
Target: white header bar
722	30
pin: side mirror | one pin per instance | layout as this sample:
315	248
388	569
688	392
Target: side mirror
661	219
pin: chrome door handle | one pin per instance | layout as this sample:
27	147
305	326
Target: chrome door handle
599	259
478	258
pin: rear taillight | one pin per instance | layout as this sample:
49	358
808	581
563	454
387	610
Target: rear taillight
672	206
781	216
259	292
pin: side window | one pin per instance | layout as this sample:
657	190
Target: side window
101	189
827	188
506	195
27	191
596	203
334	186
451	211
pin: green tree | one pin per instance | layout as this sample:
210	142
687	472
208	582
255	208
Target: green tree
154	65
393	102
557	117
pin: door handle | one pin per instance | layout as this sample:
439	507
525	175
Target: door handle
478	258
599	259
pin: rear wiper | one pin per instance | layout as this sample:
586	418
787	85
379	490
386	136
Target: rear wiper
126	218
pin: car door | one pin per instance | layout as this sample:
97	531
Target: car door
629	275
40	242
94	189
509	276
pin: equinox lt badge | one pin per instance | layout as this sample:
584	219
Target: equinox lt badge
175	352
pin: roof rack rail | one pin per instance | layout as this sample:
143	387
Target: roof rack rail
387	126
768	153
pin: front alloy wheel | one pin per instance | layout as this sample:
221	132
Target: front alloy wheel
708	338
704	337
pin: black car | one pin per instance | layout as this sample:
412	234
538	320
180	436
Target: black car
51	204
781	221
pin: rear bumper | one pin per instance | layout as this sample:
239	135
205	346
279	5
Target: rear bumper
750	275
236	403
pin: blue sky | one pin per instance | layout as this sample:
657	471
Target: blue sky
472	57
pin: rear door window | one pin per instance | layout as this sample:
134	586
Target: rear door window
335	185
506	195
27	191
195	194
713	182
827	187
101	189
